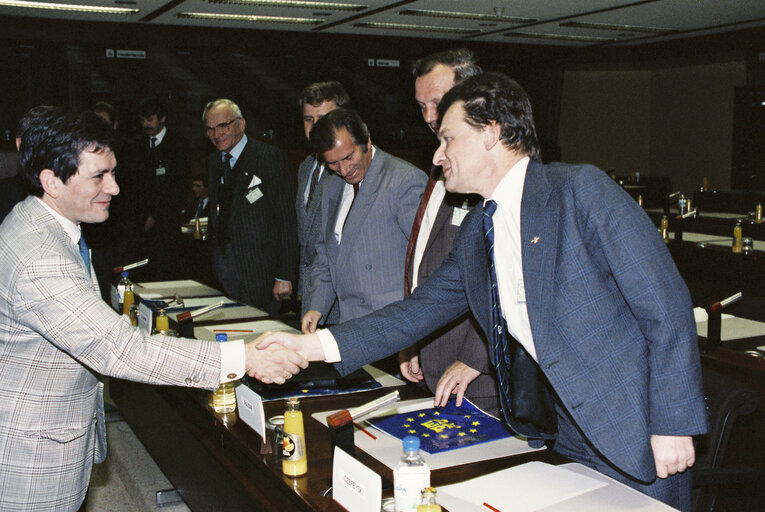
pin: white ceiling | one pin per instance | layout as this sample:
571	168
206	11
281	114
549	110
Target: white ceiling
540	21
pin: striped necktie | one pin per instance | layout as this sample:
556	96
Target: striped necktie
498	343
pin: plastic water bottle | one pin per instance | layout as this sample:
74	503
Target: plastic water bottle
410	477
224	398
123	285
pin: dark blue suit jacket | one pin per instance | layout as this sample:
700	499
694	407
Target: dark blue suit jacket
610	315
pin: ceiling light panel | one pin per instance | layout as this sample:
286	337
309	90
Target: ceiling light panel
670	19
72	9
297	15
465	20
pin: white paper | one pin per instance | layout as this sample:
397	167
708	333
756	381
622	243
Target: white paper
355	486
250	408
526	488
731	327
387	449
256	328
184	288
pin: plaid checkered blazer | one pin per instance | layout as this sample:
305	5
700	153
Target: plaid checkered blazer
57	338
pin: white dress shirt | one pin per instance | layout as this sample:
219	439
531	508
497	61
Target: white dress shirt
428	219
232	354
507	255
345	205
158	138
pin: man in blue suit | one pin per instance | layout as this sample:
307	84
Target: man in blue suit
584	285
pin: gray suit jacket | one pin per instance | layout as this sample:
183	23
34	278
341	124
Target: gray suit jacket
309	223
460	339
57	337
365	271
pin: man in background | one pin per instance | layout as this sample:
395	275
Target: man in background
198	206
315	101
454	359
165	169
252	223
367	208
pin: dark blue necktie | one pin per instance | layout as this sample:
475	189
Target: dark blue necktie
498	345
84	253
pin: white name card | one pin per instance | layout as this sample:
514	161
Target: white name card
145	317
355	486
250	407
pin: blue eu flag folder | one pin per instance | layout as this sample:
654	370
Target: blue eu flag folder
444	428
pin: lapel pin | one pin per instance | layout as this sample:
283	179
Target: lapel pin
535	240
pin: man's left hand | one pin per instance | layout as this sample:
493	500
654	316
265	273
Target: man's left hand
672	454
455	380
282	290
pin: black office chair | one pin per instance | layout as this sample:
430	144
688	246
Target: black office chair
726	400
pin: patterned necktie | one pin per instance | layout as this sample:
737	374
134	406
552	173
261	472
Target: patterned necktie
153	143
226	166
84	252
498	345
314	182
416	230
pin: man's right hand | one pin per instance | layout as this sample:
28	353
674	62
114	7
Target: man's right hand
409	364
310	321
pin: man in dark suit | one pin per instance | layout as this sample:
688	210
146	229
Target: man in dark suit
165	170
199	205
315	101
367	208
590	325
252	225
454	359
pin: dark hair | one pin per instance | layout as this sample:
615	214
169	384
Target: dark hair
33	116
323	137
320	92
203	177
495	97
57	141
150	106
106	108
462	61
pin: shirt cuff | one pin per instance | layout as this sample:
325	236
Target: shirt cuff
329	346
231	360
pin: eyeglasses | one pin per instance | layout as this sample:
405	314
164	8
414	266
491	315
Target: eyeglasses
220	127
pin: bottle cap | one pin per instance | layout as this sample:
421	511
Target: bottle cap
124	273
221	337
411	443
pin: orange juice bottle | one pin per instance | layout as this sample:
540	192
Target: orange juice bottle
428	501
294	457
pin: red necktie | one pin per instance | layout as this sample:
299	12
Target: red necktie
416	228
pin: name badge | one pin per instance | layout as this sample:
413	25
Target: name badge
253	195
458	215
161	171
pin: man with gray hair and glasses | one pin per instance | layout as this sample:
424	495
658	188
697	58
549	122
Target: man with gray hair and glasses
253	230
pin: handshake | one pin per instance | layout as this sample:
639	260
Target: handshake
274	357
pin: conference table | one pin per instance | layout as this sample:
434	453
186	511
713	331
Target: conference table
219	462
